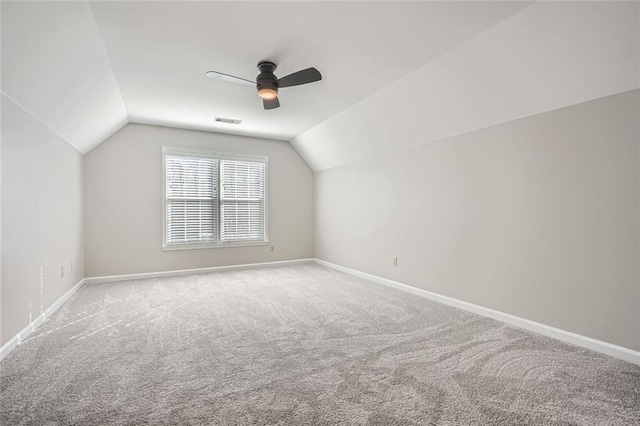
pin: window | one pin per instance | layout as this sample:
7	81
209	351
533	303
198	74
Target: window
213	199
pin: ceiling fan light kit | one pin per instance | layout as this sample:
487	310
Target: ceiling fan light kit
268	93
268	84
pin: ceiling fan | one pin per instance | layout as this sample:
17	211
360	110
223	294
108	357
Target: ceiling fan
268	84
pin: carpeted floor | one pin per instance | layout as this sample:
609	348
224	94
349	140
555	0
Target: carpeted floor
298	345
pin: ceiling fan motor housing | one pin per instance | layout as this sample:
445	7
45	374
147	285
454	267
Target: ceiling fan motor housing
266	78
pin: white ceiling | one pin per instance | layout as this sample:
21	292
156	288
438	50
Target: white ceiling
548	56
55	66
85	69
395	74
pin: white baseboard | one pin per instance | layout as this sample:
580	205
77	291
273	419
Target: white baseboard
25	332
619	352
147	275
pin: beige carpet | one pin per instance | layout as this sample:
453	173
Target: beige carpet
298	345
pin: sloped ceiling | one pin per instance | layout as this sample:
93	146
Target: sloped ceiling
85	69
548	56
394	74
54	65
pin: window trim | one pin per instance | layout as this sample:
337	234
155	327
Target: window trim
220	155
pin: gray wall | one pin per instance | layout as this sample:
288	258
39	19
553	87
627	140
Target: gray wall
124	206
537	217
42	218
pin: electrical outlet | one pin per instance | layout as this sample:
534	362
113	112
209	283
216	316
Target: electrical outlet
394	260
61	271
272	247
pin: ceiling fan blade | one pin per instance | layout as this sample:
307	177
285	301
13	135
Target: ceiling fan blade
301	77
271	104
230	78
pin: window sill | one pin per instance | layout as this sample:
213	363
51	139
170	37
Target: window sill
212	246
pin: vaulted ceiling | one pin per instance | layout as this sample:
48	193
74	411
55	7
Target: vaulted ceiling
394	74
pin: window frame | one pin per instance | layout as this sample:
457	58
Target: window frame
220	156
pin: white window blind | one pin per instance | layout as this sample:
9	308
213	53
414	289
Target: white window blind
242	201
213	199
192	199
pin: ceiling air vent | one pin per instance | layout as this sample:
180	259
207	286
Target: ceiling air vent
226	120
